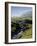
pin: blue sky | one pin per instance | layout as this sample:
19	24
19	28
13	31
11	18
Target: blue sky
18	11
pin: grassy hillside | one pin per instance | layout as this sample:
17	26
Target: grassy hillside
26	33
15	19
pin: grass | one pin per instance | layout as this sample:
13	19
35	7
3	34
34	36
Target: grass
15	19
27	34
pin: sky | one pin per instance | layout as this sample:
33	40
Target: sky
18	11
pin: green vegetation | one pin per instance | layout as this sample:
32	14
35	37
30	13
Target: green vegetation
15	19
26	34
